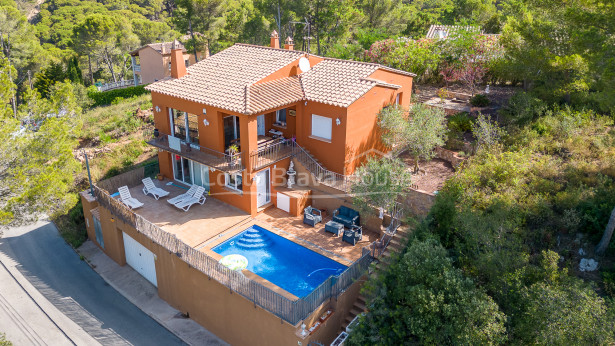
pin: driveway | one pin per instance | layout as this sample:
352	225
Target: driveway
57	272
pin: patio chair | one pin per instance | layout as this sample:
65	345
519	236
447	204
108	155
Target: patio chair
127	199
198	197
346	216
149	187
312	216
353	235
184	195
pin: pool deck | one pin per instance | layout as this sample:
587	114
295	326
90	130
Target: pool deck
205	226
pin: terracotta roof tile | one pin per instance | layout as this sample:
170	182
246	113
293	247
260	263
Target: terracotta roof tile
337	82
222	79
160	47
273	94
443	31
227	80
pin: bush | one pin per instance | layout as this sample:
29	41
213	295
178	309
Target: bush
479	100
460	122
422	297
109	97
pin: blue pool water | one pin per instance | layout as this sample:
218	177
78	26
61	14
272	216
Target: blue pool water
288	265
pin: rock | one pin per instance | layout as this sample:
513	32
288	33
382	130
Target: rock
582	252
588	265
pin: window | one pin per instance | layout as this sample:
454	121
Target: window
280	116
321	127
180	121
397	98
187	62
233	181
169	66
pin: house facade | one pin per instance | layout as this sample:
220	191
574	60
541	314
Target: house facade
152	62
234	123
226	122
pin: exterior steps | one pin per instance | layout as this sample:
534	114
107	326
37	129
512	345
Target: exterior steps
357	308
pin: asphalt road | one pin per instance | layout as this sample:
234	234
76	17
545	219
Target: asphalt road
77	291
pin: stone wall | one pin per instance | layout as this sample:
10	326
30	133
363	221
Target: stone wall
418	202
449	156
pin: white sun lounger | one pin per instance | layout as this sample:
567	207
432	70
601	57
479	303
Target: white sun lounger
149	187
198	197
183	196
127	199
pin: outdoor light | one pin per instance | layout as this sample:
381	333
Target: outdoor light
205	122
157	109
204	110
306	103
337	121
211	169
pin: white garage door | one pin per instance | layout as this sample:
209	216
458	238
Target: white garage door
140	259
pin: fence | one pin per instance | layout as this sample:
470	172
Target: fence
116	85
287	309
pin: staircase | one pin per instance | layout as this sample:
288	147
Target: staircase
393	244
324	176
357	308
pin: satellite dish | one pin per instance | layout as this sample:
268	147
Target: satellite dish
304	64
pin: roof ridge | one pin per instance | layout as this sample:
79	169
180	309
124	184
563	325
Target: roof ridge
247	98
374	65
269	48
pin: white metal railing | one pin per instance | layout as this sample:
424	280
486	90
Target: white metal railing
323	175
116	85
137	68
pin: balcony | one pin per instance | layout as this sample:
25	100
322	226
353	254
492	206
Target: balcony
211	158
269	152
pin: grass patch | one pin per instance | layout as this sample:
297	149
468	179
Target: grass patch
72	226
102	124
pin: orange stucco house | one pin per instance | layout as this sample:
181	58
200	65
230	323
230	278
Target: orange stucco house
231	121
152	62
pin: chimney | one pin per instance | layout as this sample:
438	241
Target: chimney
178	65
289	44
275	39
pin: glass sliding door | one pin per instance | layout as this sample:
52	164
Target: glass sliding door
200	175
190	172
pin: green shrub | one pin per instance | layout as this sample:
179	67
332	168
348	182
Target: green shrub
115	96
480	100
523	108
460	122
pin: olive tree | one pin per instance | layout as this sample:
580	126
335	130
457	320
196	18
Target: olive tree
419	132
380	183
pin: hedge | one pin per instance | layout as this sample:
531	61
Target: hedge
107	97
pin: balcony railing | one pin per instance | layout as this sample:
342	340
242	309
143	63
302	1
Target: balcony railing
116	85
137	68
271	152
213	159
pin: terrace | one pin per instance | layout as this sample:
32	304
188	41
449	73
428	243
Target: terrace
205	226
191	236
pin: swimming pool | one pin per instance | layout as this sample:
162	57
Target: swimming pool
289	265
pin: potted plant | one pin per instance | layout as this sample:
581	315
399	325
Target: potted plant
160	176
232	151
